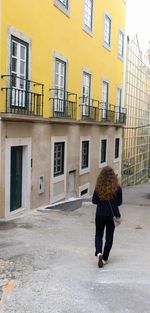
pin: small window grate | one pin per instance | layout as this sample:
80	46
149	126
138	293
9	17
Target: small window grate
84	191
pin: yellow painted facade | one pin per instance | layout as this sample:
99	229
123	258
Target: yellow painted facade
52	31
61	98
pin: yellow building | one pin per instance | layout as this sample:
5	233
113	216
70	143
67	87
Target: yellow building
61	66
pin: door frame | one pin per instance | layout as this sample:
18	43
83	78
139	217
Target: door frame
26	173
16	178
72	193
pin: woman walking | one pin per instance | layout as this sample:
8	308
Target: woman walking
108	196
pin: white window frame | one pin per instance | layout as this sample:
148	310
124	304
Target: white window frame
87	169
105	82
60	90
62	58
19	59
104	163
118	103
61	158
105	44
20	83
86	28
105	105
15	33
60	178
88	72
121	45
81	188
65	9
120	145
53	141
87	101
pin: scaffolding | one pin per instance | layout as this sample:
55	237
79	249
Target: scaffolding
136	135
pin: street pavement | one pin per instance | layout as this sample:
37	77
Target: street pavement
47	262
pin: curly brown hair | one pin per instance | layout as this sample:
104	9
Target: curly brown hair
107	183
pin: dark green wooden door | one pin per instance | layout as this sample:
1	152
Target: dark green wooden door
16	178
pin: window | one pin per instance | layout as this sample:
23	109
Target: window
59	158
63	5
64	2
121	44
119	97
18	70
107	31
105	95
60	74
103	150
88	14
85	150
105	92
117	144
118	104
60	85
85	154
86	93
84	190
86	86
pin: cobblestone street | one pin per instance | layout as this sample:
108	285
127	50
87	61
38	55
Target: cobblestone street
47	262
6	274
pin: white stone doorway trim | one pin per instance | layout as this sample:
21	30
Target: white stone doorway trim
26	173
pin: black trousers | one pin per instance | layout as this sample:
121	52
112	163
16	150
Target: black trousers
102	223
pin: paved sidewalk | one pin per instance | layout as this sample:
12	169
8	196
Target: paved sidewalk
139	194
52	269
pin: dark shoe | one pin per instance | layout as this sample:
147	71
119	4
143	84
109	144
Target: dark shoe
105	262
100	260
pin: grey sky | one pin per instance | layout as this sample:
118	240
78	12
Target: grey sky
138	21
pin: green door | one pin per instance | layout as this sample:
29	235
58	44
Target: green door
16	178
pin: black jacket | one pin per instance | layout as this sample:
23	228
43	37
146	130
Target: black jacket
103	206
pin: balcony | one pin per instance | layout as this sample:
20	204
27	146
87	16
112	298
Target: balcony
120	115
22	96
107	112
112	114
63	104
96	111
89	109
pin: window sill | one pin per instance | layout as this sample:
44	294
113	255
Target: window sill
106	46
87	31
84	171
62	8
116	160
58	178
101	165
120	58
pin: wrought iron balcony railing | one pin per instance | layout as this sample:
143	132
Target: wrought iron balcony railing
23	96
112	113
89	109
64	103
95	110
107	112
120	115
